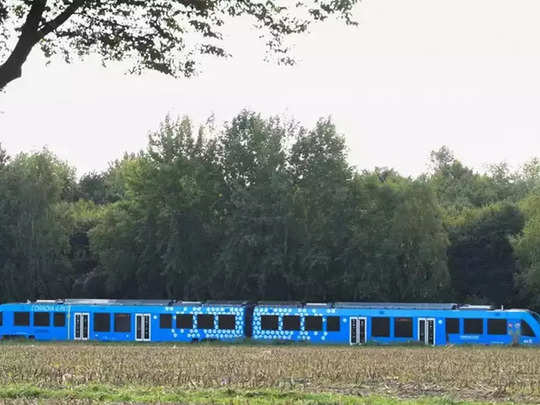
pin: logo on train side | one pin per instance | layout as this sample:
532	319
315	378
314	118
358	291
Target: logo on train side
48	308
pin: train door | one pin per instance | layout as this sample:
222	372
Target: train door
81	326
142	327
357	334
426	330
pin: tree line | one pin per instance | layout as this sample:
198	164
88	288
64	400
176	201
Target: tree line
265	209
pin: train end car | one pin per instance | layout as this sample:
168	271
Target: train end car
395	323
124	320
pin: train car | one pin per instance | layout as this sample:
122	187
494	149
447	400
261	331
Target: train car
386	323
339	323
125	320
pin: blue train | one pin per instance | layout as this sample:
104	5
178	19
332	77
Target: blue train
337	323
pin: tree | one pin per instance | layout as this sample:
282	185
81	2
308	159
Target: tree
397	249
35	227
480	257
527	248
154	34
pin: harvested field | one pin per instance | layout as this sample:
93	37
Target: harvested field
465	373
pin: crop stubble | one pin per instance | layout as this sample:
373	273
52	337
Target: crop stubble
478	373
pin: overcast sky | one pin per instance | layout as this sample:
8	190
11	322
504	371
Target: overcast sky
413	76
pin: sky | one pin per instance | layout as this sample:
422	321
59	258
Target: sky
412	76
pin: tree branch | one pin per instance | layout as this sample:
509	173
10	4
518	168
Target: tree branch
50	26
11	68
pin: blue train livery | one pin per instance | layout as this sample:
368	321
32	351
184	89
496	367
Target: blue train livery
331	323
385	323
123	320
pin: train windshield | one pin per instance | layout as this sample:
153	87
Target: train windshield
536	316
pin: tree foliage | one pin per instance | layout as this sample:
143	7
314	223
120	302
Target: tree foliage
264	208
167	36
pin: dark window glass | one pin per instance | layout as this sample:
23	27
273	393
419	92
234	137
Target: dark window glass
403	327
452	325
102	322
165	321
313	323
291	322
380	327
1	319
526	330
205	321
21	318
333	324
184	321
226	322
473	326
42	319
496	326
122	322
59	319
269	322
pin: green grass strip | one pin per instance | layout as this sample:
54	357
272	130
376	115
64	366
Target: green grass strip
100	393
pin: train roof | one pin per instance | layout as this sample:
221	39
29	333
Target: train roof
396	305
133	302
293	304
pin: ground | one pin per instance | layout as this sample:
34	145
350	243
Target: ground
263	374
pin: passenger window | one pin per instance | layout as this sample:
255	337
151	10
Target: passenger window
452	325
59	319
1	319
291	322
102	322
21	318
333	323
269	322
165	321
497	327
42	319
226	322
403	327
526	330
205	321
473	326
122	322
380	327
313	323
184	321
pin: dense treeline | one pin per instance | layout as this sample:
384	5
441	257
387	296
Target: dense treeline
266	209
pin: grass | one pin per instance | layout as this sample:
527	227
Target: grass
97	393
272	374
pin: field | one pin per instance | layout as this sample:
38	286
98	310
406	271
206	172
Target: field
245	374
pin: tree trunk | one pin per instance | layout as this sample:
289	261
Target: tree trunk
11	69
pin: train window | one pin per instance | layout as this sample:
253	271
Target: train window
313	323
473	326
42	319
59	319
403	327
526	330
165	321
21	318
226	322
205	321
333	323
122	322
291	322
184	321
452	325
102	322
380	327
1	319
269	322
497	327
